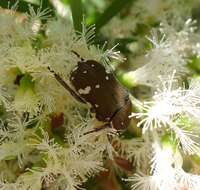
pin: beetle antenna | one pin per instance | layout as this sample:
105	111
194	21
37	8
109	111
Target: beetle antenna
77	55
66	86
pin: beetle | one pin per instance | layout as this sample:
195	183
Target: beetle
92	84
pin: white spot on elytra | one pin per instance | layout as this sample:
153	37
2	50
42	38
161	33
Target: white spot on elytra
72	78
107	118
97	86
96	105
122	123
85	91
92	65
74	69
107	78
84	71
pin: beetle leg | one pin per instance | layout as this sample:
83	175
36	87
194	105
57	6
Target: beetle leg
66	86
107	125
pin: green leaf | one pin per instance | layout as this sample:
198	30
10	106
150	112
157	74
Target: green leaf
115	7
77	13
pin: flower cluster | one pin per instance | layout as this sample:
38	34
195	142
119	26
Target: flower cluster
169	118
45	139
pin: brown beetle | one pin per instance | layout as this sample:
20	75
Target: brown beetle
108	98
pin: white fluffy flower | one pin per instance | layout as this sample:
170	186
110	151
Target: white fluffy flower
166	173
168	101
162	59
168	105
